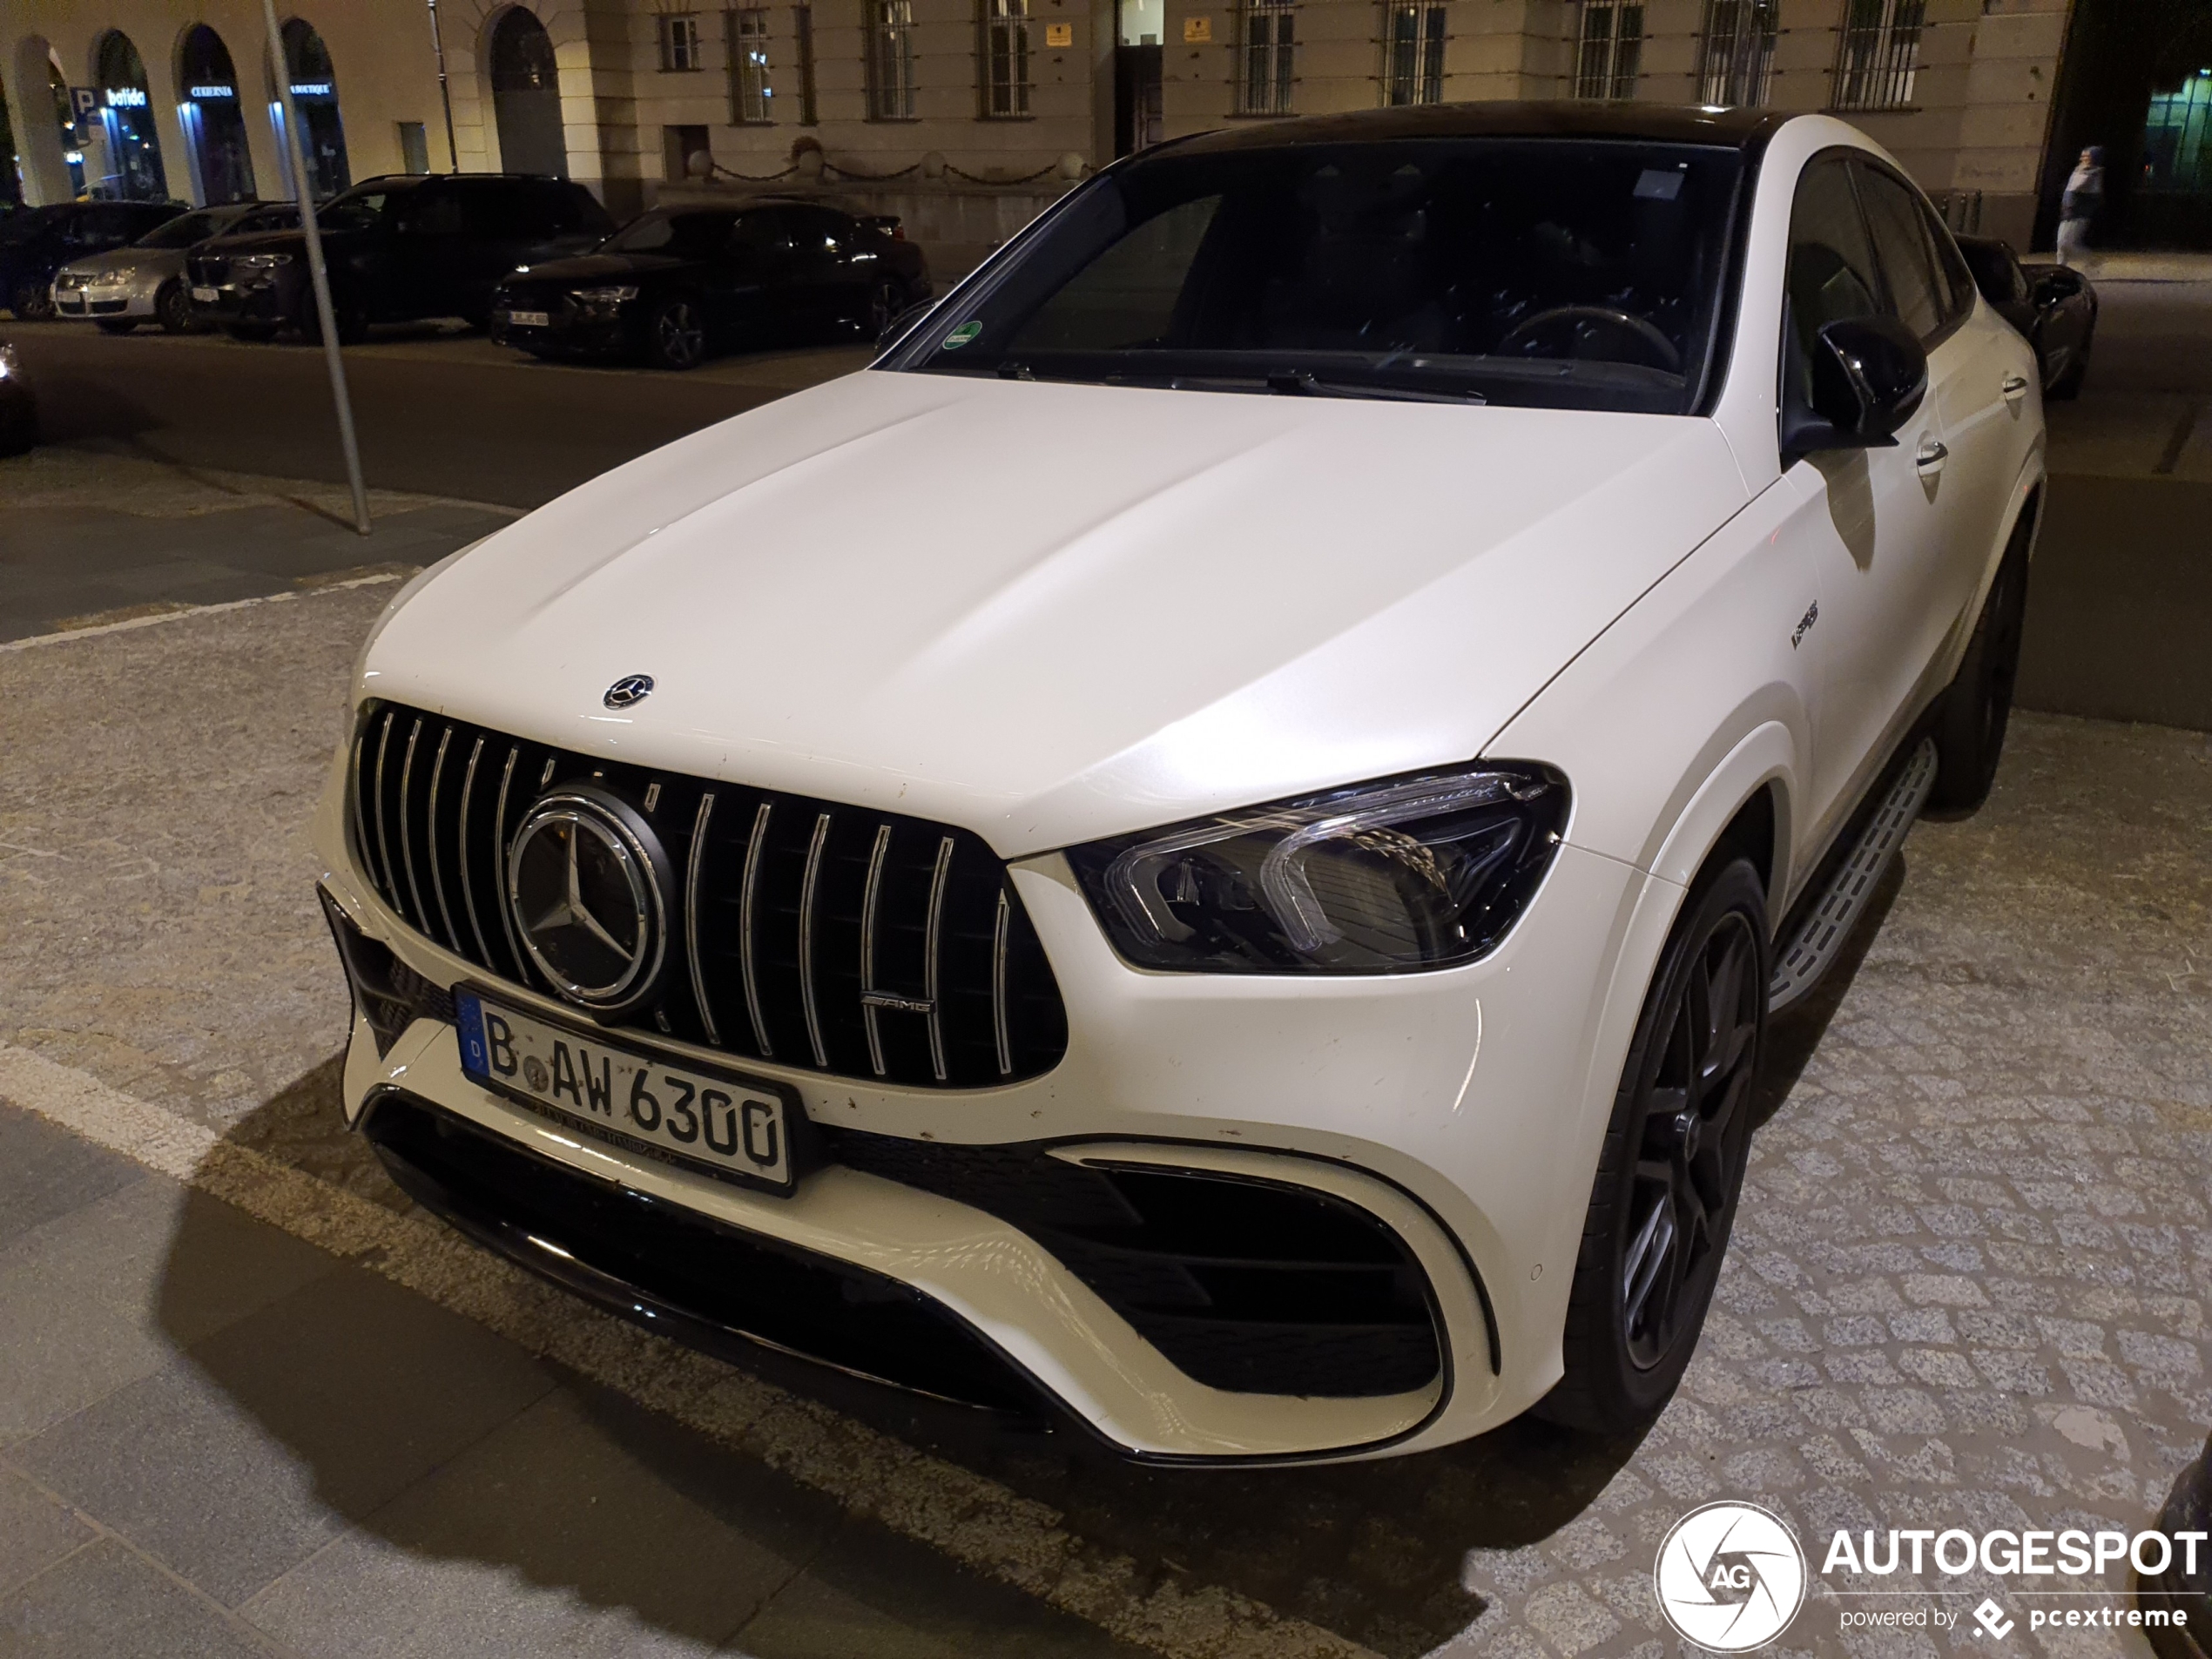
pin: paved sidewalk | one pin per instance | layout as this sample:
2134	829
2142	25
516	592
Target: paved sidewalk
1969	1289
90	535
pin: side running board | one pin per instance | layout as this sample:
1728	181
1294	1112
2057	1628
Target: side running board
1809	953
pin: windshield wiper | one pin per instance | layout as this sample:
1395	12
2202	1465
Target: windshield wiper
1299	383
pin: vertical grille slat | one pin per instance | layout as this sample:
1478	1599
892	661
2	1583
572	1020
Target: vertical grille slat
437	864
461	841
421	917
691	945
870	905
748	932
808	886
932	949
999	1026
895	945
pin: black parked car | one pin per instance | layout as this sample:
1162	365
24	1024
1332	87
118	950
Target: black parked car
676	283
399	247
38	241
2056	307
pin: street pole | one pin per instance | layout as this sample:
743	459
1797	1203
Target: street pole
316	272
445	92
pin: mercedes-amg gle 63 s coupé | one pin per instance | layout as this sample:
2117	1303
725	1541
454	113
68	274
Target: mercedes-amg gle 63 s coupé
1209	843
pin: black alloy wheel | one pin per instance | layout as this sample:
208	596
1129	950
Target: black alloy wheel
32	302
676	335
352	326
173	308
1978	708
1672	1166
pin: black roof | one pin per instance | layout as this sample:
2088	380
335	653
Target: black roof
1653	123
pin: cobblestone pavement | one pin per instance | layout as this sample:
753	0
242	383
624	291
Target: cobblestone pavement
1968	1285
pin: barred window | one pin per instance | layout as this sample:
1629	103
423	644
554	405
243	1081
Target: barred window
891	60
1005	57
1736	54
751	95
1414	43
1879	53
802	29
1612	42
679	42
1269	51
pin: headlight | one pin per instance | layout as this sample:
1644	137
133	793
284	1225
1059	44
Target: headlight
617	295
263	261
72	279
7	363
1408	873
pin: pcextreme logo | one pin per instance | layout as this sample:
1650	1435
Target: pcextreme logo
1730	1577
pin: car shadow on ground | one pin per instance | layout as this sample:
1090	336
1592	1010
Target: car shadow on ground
1373	1551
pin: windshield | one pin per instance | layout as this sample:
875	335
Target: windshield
182	230
1564	273
683	236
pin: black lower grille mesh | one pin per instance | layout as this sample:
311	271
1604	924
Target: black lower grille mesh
1254	1286
805	932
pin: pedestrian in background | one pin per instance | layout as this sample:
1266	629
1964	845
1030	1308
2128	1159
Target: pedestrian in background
2085	194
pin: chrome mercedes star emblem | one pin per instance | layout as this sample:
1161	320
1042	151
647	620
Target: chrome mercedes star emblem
629	689
584	882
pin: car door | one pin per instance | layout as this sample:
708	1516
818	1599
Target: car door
1975	380
420	255
1868	523
758	266
832	267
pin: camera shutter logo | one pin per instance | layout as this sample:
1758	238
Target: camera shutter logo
1730	1577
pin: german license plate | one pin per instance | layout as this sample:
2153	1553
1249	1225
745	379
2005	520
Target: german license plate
205	296
735	1126
531	318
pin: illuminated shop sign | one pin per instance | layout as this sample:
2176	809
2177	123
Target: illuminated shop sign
213	91
312	89
126	97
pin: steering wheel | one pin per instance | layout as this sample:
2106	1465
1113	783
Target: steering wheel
1648	344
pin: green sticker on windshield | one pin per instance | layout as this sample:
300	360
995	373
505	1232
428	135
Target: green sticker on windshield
960	336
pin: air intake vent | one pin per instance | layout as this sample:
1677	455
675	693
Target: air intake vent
811	934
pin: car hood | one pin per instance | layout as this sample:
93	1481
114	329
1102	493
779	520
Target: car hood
1050	612
128	261
598	267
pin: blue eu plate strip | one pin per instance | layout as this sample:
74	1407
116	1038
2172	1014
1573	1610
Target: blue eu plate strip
469	1017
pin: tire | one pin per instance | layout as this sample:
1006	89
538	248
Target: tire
676	334
2067	387
117	325
253	334
1977	706
1671	1168
352	326
172	309
31	302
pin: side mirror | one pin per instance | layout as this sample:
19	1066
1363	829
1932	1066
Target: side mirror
2050	287
902	323
1869	374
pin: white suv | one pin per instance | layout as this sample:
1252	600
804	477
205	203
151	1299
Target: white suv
1212	839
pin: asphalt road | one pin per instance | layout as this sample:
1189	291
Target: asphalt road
438	415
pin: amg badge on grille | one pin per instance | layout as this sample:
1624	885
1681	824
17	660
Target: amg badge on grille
631	688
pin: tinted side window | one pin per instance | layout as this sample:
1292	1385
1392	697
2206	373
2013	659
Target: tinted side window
1831	262
428	212
1921	298
1950	264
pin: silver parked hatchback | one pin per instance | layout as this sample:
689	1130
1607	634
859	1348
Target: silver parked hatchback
145	280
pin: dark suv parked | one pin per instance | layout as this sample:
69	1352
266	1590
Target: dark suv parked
674	284
37	242
398	247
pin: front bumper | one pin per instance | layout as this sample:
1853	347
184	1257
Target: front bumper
570	331
102	303
1459	1110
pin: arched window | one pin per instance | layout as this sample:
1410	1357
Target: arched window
214	117
526	96
74	133
131	169
314	94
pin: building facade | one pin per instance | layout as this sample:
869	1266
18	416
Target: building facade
990	97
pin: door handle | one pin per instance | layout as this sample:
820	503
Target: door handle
2015	387
1932	454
